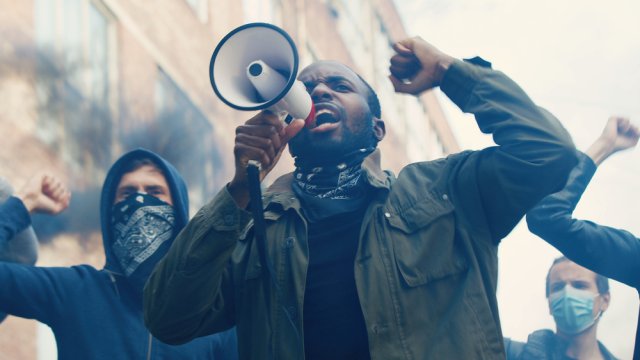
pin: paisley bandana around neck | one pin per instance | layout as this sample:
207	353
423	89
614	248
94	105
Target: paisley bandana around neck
141	224
332	189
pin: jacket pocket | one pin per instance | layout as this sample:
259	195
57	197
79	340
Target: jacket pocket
422	235
246	256
247	232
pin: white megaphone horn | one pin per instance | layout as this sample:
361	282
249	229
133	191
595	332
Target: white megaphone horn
254	67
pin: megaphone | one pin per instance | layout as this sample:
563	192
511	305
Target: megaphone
254	67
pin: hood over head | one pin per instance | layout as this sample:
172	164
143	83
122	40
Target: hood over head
177	186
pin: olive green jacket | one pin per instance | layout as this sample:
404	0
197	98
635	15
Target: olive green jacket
426	266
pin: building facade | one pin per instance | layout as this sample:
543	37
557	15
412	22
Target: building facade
82	81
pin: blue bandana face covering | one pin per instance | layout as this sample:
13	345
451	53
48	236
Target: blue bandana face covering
572	309
141	224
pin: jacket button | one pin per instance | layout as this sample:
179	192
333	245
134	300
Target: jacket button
229	220
378	328
387	215
288	243
445	197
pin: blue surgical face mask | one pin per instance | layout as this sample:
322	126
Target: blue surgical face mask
572	309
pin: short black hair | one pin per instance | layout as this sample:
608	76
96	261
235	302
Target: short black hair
602	282
372	98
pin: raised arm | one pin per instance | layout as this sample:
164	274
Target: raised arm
534	153
605	250
41	194
14	218
18	244
37	292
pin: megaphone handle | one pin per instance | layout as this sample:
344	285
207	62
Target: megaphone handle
259	226
260	232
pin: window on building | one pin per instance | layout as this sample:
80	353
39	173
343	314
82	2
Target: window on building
355	9
185	137
308	56
75	45
77	33
352	17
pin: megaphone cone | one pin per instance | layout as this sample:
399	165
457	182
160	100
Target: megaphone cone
254	67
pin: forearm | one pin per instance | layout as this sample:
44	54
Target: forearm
608	251
14	217
552	218
599	151
611	252
503	109
535	153
194	270
240	194
619	134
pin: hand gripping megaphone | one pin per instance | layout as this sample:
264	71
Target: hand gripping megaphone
254	67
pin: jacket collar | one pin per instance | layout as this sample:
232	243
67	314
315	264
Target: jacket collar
280	192
377	177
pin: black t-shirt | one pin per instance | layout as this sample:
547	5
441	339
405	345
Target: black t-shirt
334	326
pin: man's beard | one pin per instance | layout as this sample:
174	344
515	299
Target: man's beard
320	149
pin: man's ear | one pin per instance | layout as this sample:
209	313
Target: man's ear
378	128
606	298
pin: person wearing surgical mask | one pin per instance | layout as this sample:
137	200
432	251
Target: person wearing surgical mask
578	298
607	250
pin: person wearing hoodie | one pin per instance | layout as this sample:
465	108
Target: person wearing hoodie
97	314
44	194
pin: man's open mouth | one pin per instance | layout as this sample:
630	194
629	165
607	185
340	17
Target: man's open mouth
325	116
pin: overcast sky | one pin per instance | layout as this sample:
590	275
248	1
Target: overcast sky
581	61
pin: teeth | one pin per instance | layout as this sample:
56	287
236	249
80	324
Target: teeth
323	111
